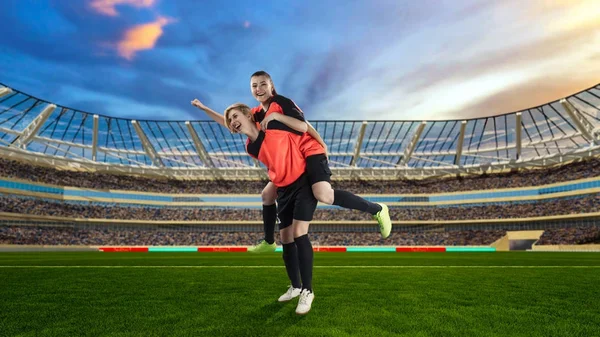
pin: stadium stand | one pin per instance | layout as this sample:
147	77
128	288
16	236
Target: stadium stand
424	168
48	235
570	236
565	206
526	177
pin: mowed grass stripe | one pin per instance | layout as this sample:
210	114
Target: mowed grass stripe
219	301
321	259
316	267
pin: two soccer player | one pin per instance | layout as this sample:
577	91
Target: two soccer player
278	147
300	175
315	152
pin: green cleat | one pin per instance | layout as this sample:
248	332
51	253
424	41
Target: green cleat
263	247
383	218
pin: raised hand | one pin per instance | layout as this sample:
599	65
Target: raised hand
196	102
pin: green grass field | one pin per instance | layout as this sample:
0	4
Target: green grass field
356	294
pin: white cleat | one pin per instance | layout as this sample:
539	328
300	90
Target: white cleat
305	302
290	294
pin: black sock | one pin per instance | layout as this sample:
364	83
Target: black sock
305	257
290	258
269	220
353	201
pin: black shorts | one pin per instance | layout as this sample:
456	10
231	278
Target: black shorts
317	169
295	201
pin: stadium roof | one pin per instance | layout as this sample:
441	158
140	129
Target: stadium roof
37	130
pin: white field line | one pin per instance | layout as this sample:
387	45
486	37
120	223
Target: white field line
316	267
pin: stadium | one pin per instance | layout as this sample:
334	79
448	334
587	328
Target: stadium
300	168
190	183
76	185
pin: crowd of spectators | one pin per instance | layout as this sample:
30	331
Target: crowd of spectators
570	236
44	235
441	238
68	235
34	206
522	178
574	205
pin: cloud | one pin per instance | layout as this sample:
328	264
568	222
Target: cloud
141	37
154	90
108	7
417	62
157	106
94	106
521	55
536	92
464	85
545	75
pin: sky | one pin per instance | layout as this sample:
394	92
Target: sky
337	59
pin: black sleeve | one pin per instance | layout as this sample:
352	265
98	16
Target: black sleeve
253	148
289	108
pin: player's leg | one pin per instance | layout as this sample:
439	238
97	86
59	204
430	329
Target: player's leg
305	252
306	259
269	213
305	206
319	176
291	261
286	234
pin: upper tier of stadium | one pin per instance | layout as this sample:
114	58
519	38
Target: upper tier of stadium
39	131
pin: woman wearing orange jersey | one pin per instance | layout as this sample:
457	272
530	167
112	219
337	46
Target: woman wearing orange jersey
274	107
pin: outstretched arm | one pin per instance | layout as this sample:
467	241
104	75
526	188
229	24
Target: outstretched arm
217	117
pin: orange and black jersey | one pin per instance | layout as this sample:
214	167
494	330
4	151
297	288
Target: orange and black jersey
283	105
279	150
278	104
278	147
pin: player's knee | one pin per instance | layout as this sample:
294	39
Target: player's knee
286	235
324	196
269	196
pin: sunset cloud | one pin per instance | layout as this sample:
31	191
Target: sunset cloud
141	37
389	60
107	7
469	73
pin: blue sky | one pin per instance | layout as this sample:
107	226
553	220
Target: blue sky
147	59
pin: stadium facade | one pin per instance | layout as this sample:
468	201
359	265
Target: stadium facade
41	132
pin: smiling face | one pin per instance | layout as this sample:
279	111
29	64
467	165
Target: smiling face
238	119
262	88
